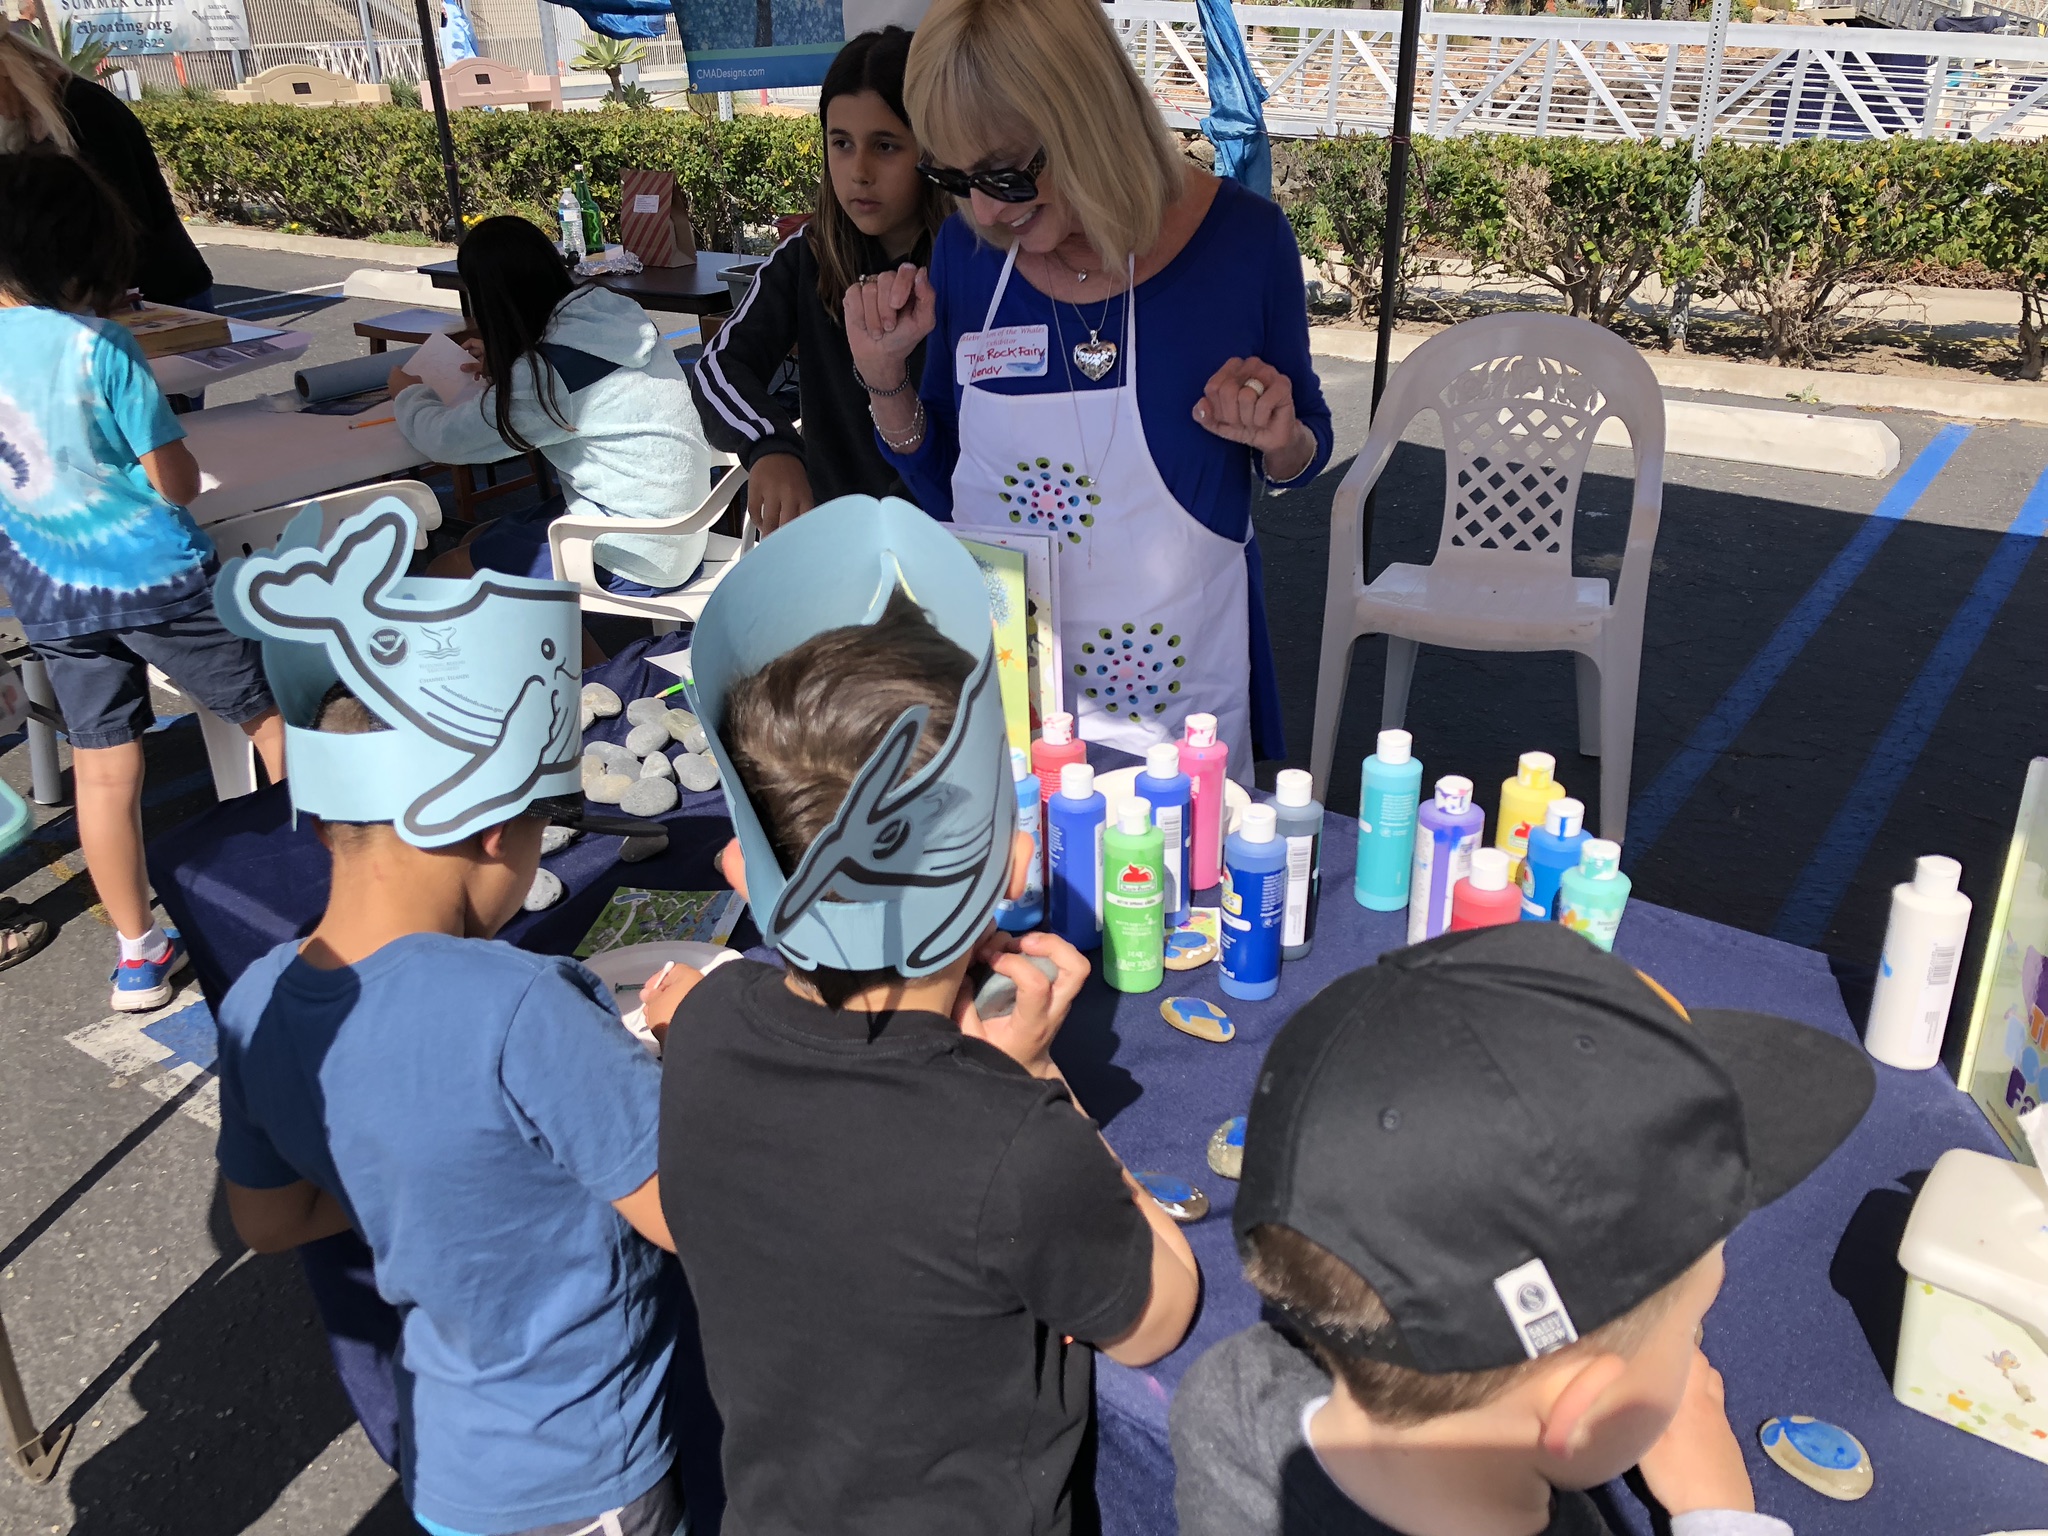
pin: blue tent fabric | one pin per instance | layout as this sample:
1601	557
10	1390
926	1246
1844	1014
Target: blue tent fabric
458	36
1235	124
627	20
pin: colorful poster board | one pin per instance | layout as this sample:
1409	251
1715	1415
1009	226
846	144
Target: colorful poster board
1002	573
2005	1058
635	916
745	45
1041	613
154	26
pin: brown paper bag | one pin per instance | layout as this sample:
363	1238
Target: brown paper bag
654	220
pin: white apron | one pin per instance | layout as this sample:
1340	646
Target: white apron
1154	607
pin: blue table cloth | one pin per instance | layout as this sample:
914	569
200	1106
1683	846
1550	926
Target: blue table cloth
1806	1324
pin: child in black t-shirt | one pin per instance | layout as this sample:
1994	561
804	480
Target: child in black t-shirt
902	1233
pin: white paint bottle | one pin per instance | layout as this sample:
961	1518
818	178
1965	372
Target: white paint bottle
1916	974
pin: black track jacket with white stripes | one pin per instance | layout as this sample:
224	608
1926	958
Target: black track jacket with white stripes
837	443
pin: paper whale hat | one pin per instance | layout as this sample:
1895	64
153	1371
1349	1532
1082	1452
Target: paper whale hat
906	875
479	679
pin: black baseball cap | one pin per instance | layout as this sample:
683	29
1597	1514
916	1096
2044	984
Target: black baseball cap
1515	1138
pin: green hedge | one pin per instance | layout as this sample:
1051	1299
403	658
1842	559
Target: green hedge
356	171
1794	236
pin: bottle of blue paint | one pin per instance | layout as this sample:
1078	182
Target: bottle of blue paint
1170	791
1074	836
1553	850
1028	910
1254	906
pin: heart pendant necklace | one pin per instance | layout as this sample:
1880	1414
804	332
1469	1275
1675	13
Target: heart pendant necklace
1095	357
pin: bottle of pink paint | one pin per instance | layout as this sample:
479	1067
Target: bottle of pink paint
1205	760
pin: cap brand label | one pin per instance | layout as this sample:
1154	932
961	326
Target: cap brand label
1534	1308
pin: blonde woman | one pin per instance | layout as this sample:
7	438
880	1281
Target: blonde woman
45	107
1118	354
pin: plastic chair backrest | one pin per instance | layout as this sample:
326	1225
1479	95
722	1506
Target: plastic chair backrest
1519	398
254	531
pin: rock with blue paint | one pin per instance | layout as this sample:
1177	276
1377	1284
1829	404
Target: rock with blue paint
1825	1457
1226	1148
1175	1196
1194	943
1200	1018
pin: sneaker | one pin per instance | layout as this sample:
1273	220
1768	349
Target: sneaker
141	985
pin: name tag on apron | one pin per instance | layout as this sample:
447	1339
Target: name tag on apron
1010	352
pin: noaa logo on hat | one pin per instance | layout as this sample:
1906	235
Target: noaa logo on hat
387	647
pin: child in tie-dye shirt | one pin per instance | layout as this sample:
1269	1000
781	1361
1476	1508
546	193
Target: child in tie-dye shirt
105	570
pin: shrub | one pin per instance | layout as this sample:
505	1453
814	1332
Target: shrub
2008	232
360	171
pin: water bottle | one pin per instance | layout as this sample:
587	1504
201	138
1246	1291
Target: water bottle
569	214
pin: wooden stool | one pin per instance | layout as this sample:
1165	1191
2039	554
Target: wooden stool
409	327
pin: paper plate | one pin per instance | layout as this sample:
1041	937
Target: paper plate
626	970
1121	784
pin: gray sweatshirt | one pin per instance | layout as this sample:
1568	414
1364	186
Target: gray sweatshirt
1244	1467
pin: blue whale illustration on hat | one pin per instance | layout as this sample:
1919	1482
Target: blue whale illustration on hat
478	679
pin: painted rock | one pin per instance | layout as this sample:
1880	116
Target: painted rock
608	788
1177	1197
584	718
657	766
696	771
600	700
649	797
1226	1148
643	739
1203	1020
649	711
694	740
634	849
1828	1460
555	839
1186	949
679	721
545	891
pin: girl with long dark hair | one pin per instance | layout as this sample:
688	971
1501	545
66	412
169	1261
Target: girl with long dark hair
581	375
873	213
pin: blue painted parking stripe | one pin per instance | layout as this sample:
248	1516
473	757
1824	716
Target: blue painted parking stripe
1847	840
1658	805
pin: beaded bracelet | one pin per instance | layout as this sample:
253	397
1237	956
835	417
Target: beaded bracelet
880	394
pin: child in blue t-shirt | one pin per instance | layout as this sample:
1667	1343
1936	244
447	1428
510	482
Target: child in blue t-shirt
106	572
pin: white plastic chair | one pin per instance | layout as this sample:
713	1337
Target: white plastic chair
1519	398
570	539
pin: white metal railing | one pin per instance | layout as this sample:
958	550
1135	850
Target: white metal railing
1331	71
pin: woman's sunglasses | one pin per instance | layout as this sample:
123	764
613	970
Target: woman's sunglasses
1017	184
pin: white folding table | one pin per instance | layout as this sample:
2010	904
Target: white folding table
249	348
251	457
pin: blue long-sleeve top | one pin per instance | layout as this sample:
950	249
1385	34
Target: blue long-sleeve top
1235	290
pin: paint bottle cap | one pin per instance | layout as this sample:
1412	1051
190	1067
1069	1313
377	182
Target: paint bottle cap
1936	874
1535	768
1162	761
1020	765
1077	781
1489	870
1564	818
1201	730
1454	794
1257	824
1295	786
1600	858
1058	729
1134	816
1394	747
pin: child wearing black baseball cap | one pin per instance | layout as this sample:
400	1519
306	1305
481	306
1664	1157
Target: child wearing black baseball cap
1487	1182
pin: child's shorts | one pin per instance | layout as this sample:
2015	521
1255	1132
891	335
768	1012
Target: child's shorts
102	681
517	545
657	1512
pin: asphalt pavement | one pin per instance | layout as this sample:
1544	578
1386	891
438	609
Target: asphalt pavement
1838	675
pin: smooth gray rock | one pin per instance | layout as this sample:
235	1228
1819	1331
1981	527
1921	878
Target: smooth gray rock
679	721
694	739
643	739
657	766
635	849
555	839
612	757
600	700
609	788
649	797
697	771
648	711
585	719
545	891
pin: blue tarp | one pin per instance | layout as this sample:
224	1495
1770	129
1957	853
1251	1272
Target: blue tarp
458	37
627	20
1235	124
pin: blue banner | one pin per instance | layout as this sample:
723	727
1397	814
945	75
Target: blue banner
746	45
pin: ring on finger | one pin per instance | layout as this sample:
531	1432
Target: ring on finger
1256	386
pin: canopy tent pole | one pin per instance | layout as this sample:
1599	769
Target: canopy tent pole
430	66
1395	235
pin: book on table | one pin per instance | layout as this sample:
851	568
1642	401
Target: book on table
164	330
